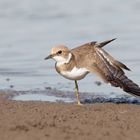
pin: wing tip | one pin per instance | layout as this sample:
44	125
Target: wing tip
105	42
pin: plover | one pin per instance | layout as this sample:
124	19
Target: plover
75	64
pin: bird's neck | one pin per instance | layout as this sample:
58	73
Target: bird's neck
68	65
65	61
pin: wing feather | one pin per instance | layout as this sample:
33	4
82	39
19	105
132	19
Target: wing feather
95	59
114	74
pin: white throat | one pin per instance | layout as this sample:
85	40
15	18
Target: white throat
61	60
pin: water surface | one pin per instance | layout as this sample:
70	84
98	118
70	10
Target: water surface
29	29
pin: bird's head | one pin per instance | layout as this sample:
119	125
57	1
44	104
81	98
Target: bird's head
61	54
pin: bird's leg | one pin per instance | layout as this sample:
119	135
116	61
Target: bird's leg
77	93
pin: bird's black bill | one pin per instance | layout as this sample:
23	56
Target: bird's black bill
48	57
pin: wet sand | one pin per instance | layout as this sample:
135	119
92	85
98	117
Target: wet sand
43	120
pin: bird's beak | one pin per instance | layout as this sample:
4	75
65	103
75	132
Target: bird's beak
48	57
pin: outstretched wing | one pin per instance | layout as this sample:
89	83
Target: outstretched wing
111	71
87	51
94	43
95	59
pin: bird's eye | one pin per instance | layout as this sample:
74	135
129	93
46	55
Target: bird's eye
59	52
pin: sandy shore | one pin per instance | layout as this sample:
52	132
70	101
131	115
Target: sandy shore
51	121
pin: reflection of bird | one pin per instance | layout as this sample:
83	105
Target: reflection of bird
75	64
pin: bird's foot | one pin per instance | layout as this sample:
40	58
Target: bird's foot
80	104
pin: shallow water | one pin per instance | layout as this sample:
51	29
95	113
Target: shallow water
54	95
29	29
40	97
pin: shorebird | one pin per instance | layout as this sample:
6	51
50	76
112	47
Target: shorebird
75	64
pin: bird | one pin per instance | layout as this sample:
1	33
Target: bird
74	64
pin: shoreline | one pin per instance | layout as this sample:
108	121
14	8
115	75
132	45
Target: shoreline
44	120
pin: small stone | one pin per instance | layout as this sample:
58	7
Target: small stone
98	83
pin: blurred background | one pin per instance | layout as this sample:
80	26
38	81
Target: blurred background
30	28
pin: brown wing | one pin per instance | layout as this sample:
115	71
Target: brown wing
111	71
86	51
95	59
82	54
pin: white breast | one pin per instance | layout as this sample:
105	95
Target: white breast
75	73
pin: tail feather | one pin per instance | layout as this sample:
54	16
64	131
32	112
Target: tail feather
122	81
